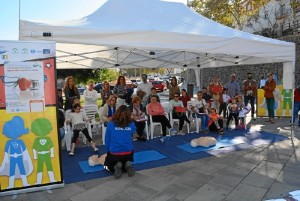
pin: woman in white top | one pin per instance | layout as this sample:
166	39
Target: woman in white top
78	120
177	114
90	95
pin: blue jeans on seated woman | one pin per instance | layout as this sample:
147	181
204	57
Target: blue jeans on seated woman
204	120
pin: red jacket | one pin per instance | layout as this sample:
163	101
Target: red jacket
297	94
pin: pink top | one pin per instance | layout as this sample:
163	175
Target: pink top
155	109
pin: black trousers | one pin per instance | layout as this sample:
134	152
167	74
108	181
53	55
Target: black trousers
214	125
236	119
140	126
164	122
182	117
111	160
251	99
85	133
223	108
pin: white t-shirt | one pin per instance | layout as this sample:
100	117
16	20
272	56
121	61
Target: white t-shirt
146	87
197	104
90	97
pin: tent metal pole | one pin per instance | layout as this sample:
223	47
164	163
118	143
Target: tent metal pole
19	18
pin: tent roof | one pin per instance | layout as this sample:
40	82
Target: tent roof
153	33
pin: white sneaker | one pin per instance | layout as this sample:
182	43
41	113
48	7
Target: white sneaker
172	131
181	132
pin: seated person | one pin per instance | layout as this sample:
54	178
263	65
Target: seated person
215	121
233	113
199	110
109	109
156	110
184	97
138	112
118	143
153	92
79	120
178	115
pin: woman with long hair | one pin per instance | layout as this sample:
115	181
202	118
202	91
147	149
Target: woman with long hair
105	93
138	115
118	143
120	90
71	92
173	88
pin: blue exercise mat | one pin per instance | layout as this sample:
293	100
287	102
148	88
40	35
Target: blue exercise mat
220	144
139	157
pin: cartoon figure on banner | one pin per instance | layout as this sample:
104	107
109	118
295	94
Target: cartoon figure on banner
43	149
16	153
287	100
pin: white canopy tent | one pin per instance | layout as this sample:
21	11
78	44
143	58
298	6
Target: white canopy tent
154	33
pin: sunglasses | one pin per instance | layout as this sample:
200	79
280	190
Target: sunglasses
176	96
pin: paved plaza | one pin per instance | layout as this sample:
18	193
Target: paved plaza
260	173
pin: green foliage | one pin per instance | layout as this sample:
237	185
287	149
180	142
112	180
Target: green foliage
107	75
229	12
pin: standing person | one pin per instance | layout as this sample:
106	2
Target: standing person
79	120
224	100
296	104
156	110
60	103
233	87
144	89
178	115
215	89
120	90
184	97
90	95
269	88
138	113
199	110
105	93
173	88
250	92
71	92
118	143
207	97
233	112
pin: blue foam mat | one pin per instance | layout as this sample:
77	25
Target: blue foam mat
220	144
139	157
72	171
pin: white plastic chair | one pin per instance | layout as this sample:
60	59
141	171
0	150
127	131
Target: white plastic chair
172	121
69	132
91	111
103	128
197	120
153	124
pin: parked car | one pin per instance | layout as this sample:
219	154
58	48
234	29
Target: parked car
98	87
159	85
81	90
135	83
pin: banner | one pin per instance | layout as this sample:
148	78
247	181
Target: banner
29	140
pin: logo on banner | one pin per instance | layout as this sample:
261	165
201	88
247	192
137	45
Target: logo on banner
46	51
24	51
2	49
48	65
35	51
14	51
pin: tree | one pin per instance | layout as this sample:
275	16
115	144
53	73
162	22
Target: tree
233	13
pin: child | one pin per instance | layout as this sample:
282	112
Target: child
215	121
79	120
224	99
153	92
241	105
242	115
233	113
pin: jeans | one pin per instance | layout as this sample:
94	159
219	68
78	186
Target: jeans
251	99
295	113
270	107
204	120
